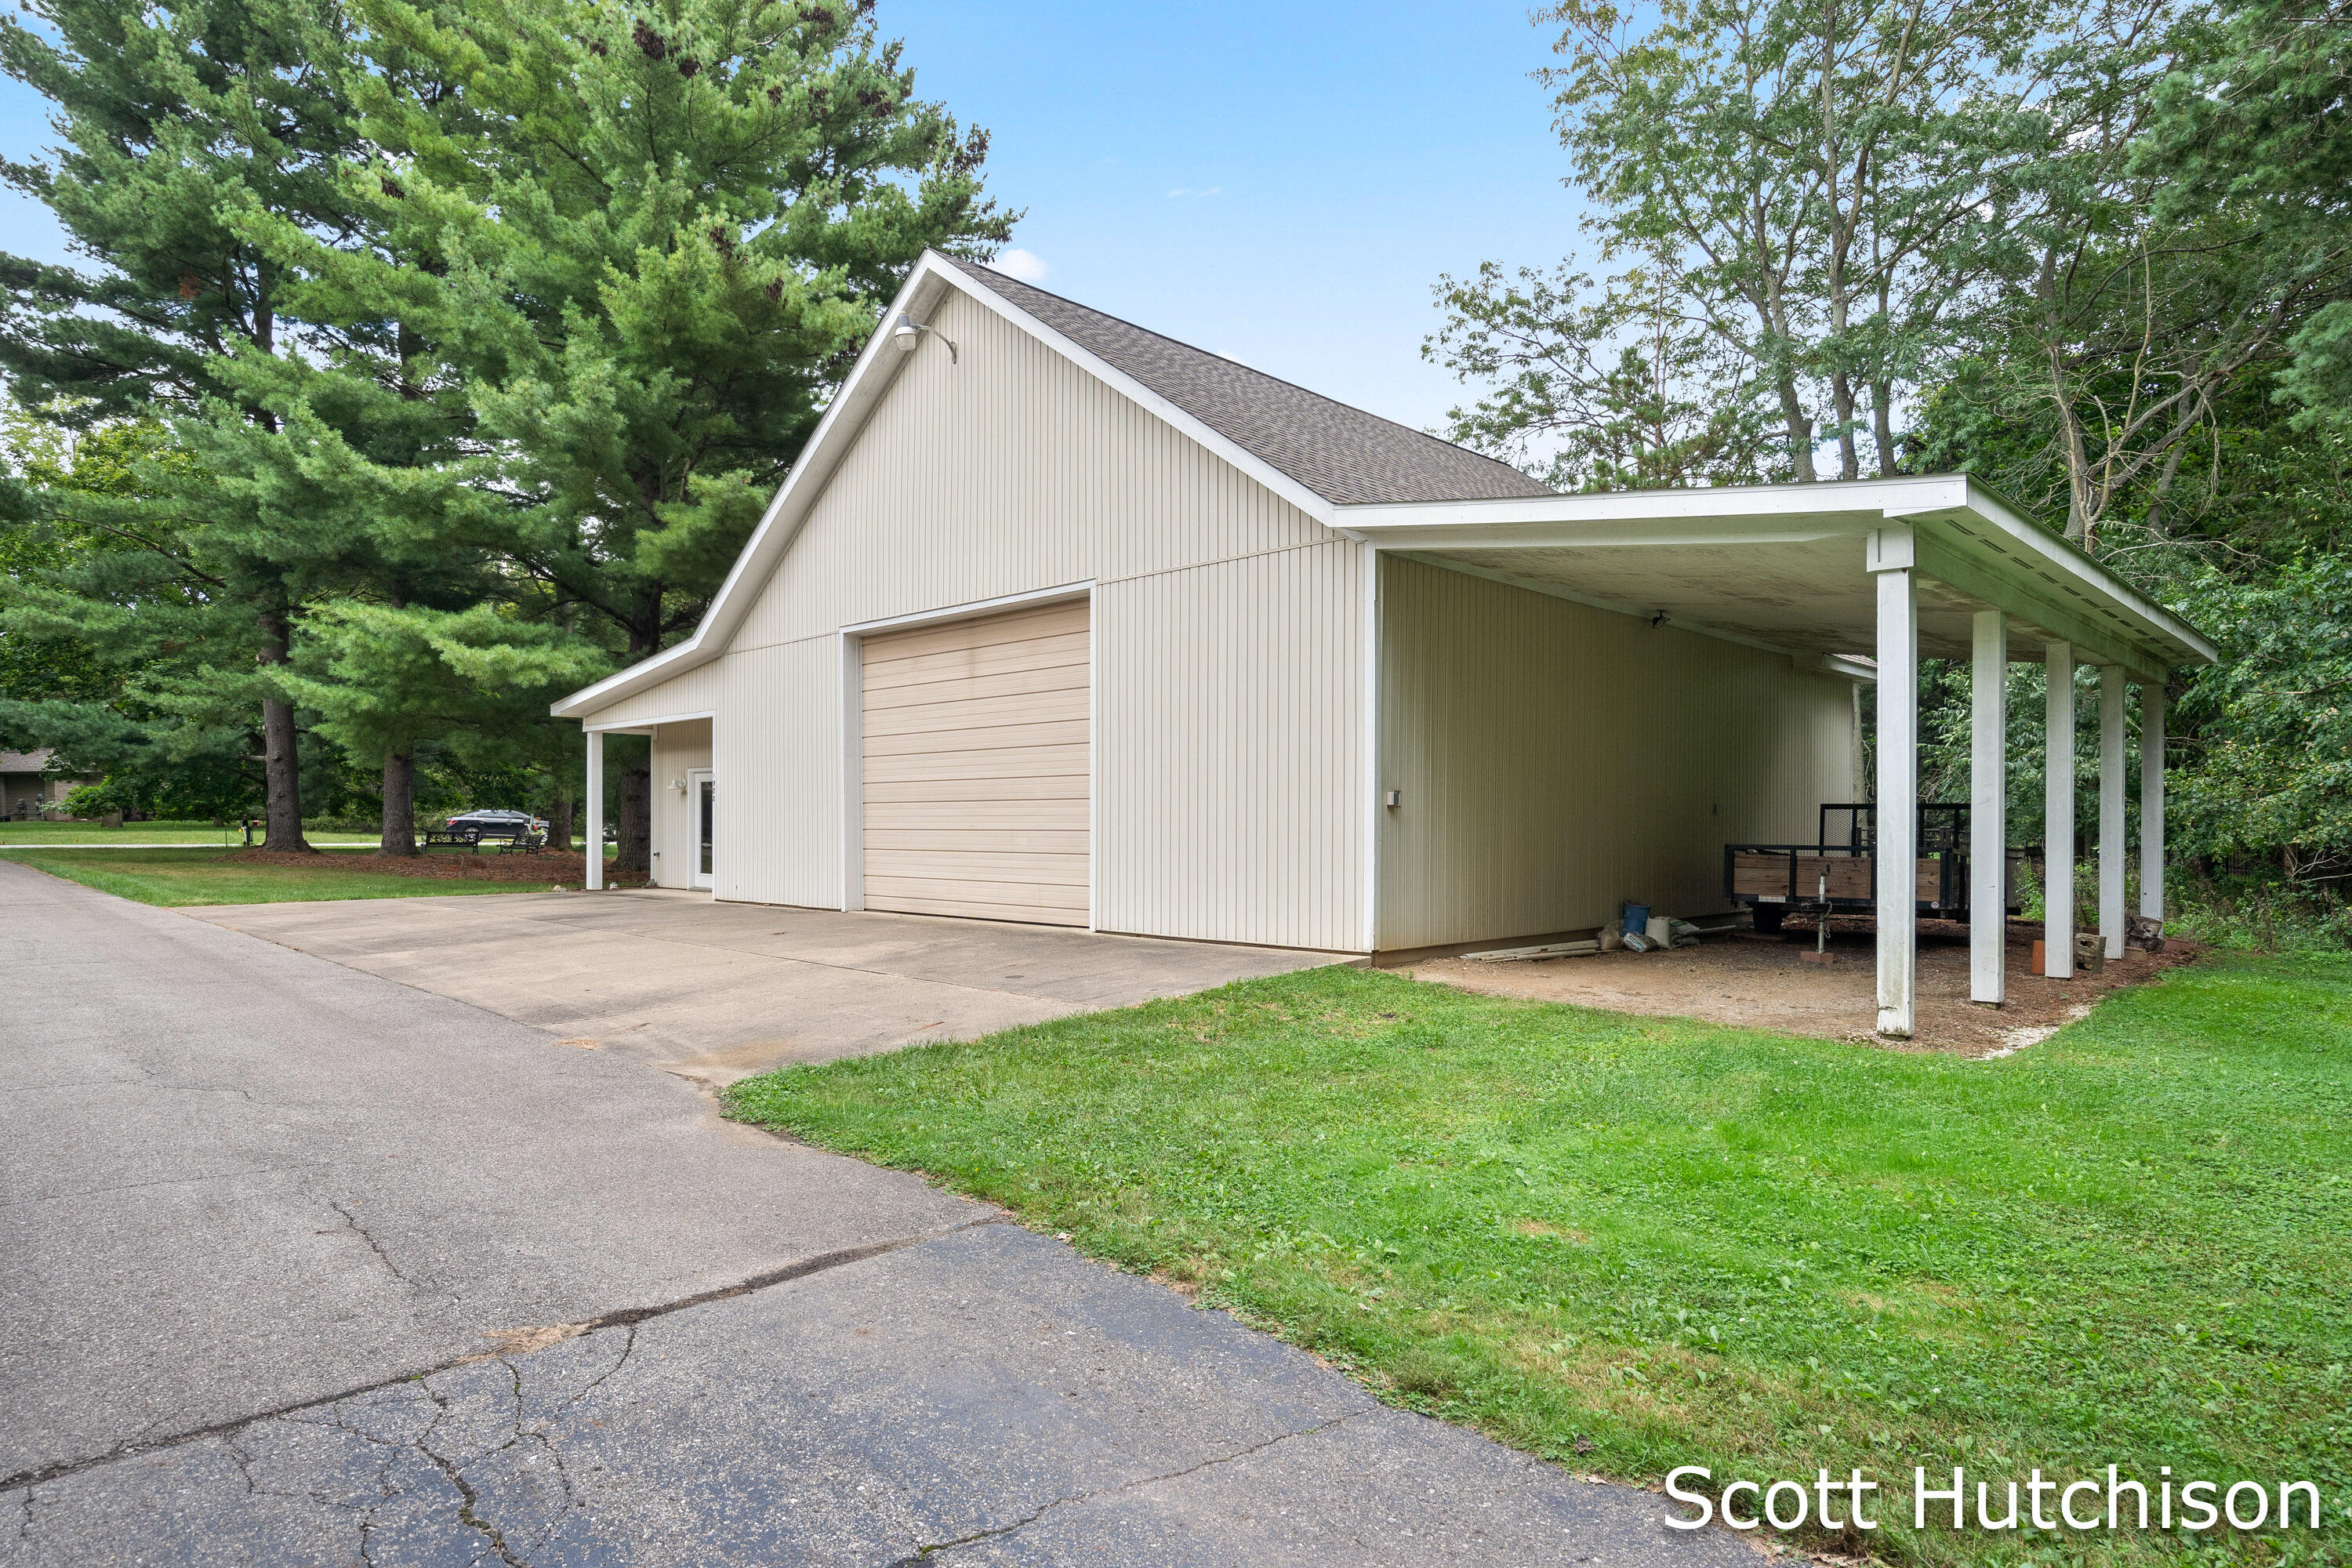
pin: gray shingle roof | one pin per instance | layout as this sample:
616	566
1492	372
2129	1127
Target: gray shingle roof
1342	454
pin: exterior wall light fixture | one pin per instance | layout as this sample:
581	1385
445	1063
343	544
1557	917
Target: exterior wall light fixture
909	331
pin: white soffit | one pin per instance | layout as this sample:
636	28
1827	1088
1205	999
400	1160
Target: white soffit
1780	566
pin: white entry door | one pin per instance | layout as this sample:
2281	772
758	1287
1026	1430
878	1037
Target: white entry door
701	794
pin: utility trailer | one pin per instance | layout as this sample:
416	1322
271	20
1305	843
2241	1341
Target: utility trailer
1841	872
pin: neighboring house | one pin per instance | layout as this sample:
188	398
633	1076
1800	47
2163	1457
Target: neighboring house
1057	620
25	790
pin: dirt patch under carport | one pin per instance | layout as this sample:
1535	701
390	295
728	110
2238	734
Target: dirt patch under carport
1764	983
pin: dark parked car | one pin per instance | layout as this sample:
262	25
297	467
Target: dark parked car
494	823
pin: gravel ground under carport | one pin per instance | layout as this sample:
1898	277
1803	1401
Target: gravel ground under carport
1759	982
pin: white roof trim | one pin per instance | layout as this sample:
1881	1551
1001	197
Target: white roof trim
844	418
1731	513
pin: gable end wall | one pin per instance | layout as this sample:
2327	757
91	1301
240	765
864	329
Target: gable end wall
1228	645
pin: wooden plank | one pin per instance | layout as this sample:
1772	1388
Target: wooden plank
1849	875
1760	874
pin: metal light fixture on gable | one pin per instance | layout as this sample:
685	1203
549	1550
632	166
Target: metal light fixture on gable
909	331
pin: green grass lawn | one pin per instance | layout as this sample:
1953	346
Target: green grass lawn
38	833
171	877
1629	1244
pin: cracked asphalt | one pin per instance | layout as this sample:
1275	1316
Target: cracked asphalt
300	1266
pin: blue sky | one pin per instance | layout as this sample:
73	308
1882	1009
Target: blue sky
1280	181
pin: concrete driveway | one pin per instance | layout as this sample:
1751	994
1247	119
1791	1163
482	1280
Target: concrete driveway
300	1266
716	992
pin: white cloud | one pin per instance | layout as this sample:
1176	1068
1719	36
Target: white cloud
1182	192
1021	264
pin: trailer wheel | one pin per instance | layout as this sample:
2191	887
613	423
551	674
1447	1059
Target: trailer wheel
1769	916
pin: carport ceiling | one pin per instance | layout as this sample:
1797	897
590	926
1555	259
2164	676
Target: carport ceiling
1784	566
1801	597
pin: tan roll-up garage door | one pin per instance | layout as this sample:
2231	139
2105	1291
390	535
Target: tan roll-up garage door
975	739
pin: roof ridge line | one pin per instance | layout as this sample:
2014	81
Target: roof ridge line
981	272
1238	365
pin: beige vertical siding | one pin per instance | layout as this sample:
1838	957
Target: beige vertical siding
1556	760
779	766
1229	723
675	748
1228	627
1008	470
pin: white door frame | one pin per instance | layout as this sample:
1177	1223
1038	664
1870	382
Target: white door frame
697	874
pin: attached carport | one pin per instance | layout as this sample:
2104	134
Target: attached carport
1879	571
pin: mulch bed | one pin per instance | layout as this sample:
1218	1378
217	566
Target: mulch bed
553	869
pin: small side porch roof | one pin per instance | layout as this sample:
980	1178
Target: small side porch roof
1786	567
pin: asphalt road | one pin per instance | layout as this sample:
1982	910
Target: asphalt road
300	1266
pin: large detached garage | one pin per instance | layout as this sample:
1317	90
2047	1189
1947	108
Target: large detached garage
1062	622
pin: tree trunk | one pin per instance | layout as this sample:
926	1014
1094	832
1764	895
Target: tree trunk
281	761
1841	399
1882	425
635	856
1800	432
558	824
399	833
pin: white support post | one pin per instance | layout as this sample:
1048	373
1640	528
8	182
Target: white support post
1890	560
2111	809
594	804
2058	816
1989	810
2151	800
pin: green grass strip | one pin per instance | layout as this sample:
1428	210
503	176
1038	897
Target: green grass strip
1627	1244
178	877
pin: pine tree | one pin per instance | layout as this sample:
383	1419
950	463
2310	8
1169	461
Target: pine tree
653	238
172	120
385	679
114	649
